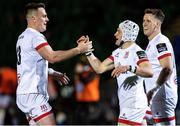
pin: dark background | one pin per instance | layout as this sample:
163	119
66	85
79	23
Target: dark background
69	19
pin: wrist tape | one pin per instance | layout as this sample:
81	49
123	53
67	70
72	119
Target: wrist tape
88	53
50	71
132	69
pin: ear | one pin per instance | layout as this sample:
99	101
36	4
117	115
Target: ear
33	18
158	25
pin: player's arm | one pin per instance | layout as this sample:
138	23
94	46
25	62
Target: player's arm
163	76
57	56
61	78
167	66
165	59
144	69
166	63
98	66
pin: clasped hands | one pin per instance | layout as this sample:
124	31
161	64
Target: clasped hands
84	45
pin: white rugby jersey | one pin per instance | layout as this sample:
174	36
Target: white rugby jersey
130	97
32	69
158	48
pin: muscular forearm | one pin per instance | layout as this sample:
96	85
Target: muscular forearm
59	56
95	63
163	76
144	72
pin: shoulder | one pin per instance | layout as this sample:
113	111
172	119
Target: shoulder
38	37
33	33
137	48
37	34
162	39
140	52
162	43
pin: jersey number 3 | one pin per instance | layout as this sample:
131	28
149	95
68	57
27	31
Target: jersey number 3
19	55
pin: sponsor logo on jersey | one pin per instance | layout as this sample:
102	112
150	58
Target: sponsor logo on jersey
161	47
141	54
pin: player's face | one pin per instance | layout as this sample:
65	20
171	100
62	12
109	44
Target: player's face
149	24
118	36
41	20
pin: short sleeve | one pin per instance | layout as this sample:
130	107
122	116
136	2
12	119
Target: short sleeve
141	57
111	57
39	41
162	50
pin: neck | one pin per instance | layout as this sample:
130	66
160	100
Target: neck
154	34
127	44
32	26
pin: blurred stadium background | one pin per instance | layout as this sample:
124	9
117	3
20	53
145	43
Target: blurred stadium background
69	19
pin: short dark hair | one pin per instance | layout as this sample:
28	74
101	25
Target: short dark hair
33	6
158	13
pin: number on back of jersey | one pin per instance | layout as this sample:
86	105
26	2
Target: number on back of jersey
18	50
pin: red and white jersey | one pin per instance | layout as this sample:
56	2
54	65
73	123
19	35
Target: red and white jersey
131	92
32	68
158	48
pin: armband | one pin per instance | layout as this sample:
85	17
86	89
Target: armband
88	53
92	56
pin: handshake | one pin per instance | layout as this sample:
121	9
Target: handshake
84	45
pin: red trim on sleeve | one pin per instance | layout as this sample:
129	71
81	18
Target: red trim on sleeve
164	119
111	58
42	116
141	60
129	122
149	112
165	55
41	45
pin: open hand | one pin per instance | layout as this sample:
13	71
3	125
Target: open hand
119	70
61	78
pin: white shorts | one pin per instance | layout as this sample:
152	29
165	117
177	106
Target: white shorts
132	116
163	109
35	106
